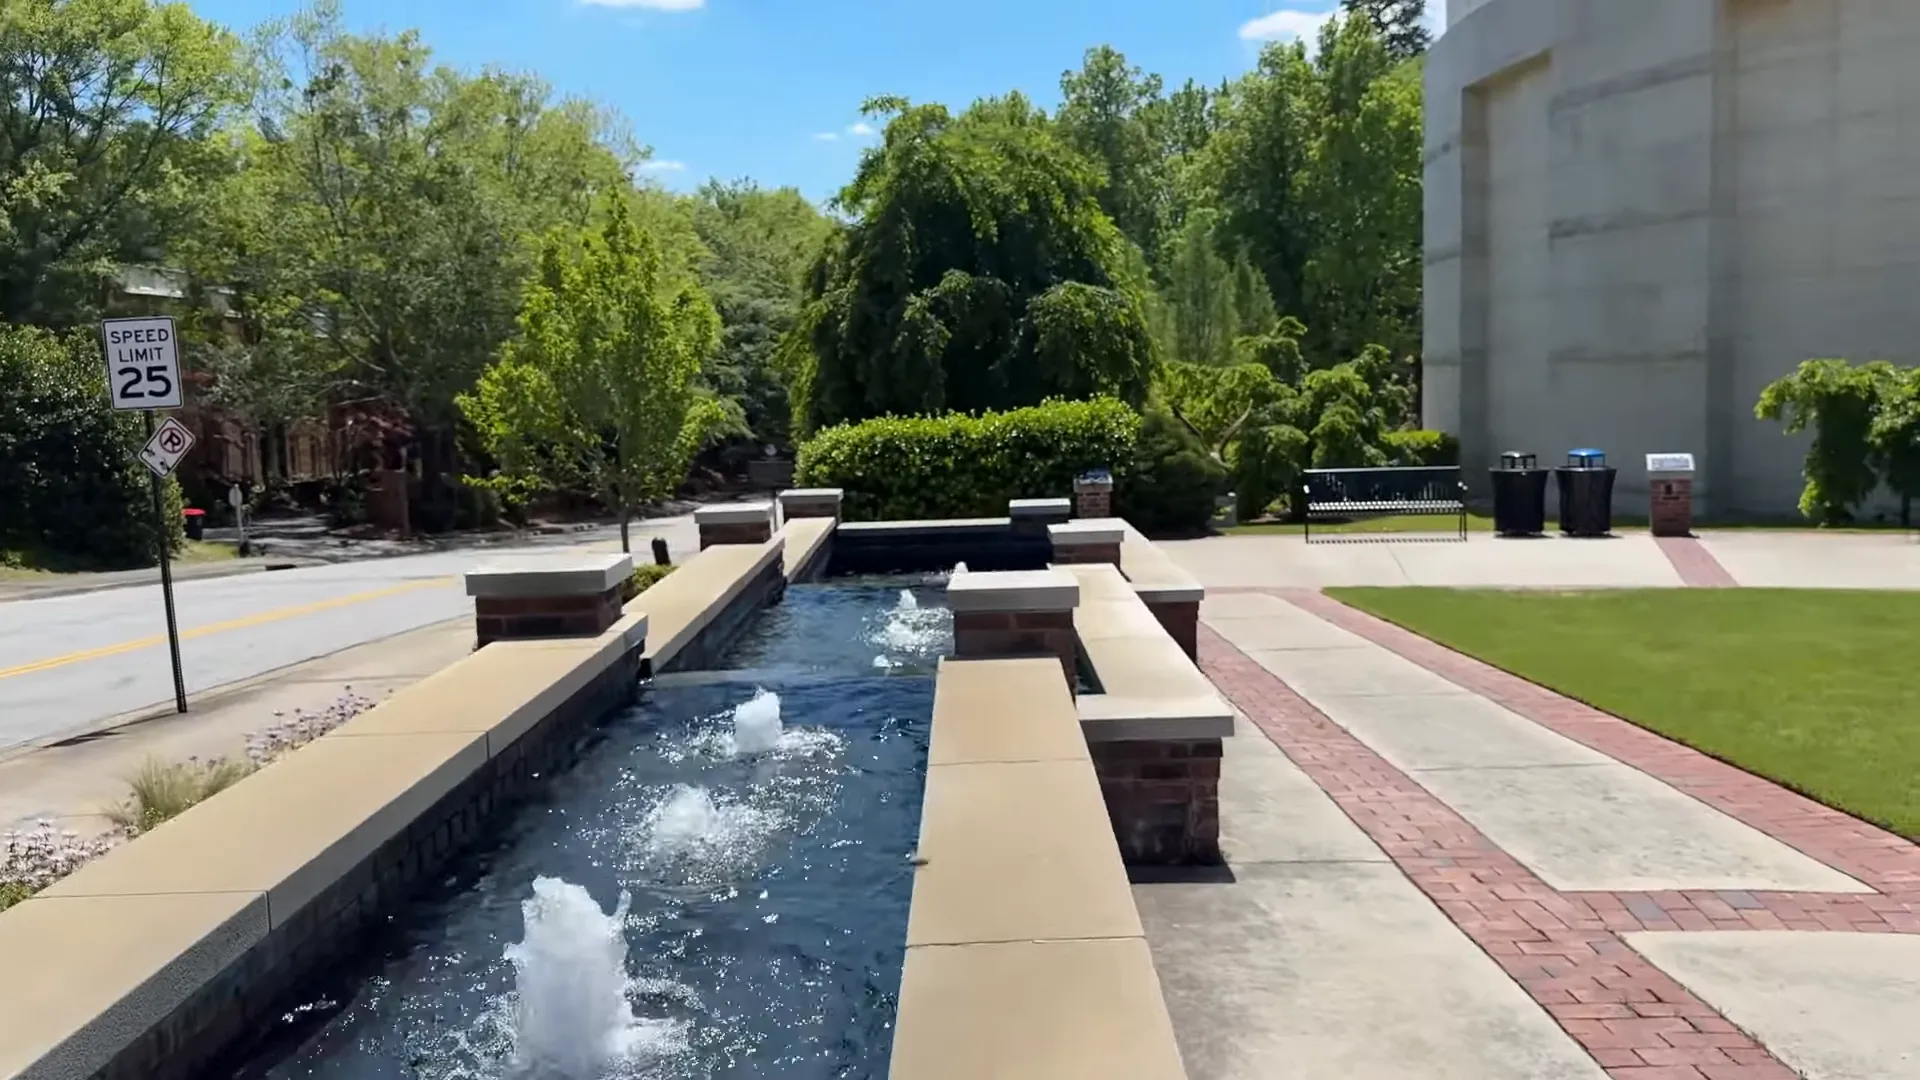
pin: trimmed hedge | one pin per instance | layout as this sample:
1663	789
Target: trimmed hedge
1423	448
901	468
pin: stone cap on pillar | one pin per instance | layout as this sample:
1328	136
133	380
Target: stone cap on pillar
740	513
1013	591
1097	480
1028	509
582	573
812	497
1670	466
1088	532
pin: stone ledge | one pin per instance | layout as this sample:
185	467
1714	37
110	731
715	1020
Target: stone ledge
741	513
807	542
1013	591
811	502
1108	718
535	576
1027	509
1092	532
682	604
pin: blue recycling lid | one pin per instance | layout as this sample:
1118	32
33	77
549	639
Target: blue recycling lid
1586	459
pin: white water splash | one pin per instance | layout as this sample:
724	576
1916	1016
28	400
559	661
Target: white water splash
572	1019
909	631
756	724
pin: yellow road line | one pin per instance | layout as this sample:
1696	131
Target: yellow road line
217	628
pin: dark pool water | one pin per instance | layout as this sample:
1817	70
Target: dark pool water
768	891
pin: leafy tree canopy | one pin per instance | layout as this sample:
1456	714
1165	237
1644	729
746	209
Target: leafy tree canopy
979	272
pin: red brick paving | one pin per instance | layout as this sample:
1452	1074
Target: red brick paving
1694	563
1564	949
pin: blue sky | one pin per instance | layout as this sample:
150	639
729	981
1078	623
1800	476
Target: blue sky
771	89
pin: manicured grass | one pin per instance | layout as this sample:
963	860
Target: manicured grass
1397	523
1812	688
31	566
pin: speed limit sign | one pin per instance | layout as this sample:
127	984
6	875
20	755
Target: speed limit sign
143	362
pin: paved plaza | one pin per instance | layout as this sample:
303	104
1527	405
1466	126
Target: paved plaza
1438	870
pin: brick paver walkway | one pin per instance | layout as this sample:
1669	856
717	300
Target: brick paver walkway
1694	563
1564	947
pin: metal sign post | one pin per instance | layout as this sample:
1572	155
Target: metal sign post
143	372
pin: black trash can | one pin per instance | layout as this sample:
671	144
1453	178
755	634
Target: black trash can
1519	496
194	522
1586	494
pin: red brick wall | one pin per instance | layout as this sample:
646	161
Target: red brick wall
979	635
1163	799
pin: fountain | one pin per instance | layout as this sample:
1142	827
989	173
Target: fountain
571	1017
756	724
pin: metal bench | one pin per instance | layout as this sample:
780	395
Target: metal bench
1347	494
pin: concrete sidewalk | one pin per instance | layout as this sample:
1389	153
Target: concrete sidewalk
70	782
1441	871
1757	557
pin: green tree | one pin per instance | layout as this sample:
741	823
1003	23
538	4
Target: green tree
1255	164
977	254
598	388
1894	437
1837	401
1401	24
1113	112
104	145
759	244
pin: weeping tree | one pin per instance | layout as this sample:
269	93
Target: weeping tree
979	272
598	390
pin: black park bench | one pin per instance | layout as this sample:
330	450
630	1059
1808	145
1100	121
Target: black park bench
1350	494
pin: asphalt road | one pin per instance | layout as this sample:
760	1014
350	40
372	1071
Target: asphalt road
68	663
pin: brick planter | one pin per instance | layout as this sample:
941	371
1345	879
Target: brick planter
734	523
1163	798
1015	613
575	596
1093	497
1181	620
1087	540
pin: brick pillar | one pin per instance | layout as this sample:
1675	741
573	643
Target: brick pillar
1087	540
1179	617
810	503
1672	510
1012	613
1093	496
1031	517
1163	798
577	595
735	523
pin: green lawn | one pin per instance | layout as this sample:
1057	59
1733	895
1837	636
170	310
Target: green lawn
1398	523
25	566
1812	688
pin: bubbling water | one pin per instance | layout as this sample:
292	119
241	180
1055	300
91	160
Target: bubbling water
571	1017
756	724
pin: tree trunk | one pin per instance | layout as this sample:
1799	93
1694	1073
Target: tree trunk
626	544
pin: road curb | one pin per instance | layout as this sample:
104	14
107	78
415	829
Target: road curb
35	592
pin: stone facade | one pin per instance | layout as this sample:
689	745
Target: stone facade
811	503
504	618
983	635
224	1022
1163	798
1087	553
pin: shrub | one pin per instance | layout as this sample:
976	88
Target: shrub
1171	482
907	468
645	576
289	733
162	791
34	859
1838	401
71	485
1422	448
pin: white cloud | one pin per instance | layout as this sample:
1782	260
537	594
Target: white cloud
826	136
1287	24
660	165
862	130
650	5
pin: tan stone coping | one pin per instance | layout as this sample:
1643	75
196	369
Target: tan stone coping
681	604
1025	954
574	573
922	526
804	538
1087	532
812	496
1149	689
96	960
1025	508
740	513
1012	591
1156	577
